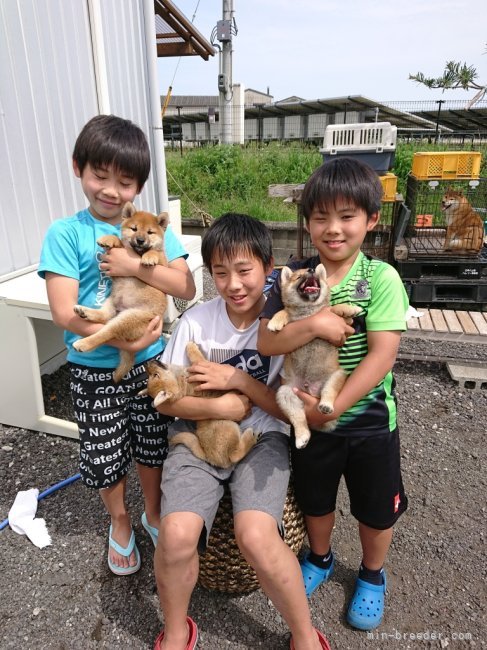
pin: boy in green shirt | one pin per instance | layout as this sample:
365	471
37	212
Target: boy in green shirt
341	203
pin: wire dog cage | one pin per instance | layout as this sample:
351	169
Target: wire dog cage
447	218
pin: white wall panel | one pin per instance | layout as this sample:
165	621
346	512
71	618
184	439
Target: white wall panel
47	92
127	74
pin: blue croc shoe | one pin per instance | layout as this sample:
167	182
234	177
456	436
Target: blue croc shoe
126	552
366	608
313	576
153	532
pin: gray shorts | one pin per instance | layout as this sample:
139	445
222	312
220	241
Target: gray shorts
258	482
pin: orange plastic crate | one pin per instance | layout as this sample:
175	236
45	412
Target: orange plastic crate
389	187
445	165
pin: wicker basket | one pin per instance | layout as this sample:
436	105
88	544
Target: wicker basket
222	566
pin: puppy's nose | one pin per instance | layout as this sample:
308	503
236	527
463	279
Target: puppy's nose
310	270
140	240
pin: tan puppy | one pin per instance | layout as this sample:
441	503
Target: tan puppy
217	442
464	226
313	367
132	303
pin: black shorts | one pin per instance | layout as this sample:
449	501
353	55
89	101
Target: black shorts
115	423
372	470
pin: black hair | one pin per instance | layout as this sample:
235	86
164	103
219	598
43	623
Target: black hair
343	178
110	140
232	233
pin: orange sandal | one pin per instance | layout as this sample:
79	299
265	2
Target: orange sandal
192	638
323	640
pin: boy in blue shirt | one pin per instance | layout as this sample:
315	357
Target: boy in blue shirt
111	158
341	203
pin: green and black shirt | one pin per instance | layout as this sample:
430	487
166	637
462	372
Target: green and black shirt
376	287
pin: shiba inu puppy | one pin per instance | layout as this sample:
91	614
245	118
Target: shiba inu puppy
464	226
217	442
313	367
132	303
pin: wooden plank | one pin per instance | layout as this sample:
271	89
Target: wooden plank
282	190
426	322
413	323
439	322
452	321
466	322
479	321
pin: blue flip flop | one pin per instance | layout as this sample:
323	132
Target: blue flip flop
152	530
313	576
366	608
126	552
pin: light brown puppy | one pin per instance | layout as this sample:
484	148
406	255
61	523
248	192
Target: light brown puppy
217	442
464	226
132	303
314	367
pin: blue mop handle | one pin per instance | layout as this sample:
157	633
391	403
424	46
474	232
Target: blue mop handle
47	492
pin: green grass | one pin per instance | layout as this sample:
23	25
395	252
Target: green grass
222	178
218	179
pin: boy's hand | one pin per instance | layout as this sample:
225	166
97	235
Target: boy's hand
331	327
216	376
315	418
150	336
120	262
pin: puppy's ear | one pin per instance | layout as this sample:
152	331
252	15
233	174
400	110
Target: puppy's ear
286	273
321	271
161	397
163	219
129	210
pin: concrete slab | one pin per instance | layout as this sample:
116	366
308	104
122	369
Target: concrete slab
471	376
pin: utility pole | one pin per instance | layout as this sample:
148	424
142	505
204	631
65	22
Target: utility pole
439	102
225	29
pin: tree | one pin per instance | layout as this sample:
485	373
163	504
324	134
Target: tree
455	75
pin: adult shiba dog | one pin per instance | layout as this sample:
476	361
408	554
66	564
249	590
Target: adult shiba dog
313	367
218	442
132	303
464	226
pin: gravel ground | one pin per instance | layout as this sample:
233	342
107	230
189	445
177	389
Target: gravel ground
64	596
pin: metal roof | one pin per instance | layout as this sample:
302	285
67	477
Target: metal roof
408	116
452	115
176	35
375	111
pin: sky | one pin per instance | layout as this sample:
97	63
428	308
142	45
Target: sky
335	48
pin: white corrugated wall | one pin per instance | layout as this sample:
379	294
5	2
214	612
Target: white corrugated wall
47	93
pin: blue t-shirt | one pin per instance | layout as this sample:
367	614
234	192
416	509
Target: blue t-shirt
70	249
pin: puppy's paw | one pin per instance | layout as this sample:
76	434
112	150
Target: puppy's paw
151	258
274	325
79	345
80	311
326	408
302	440
109	241
329	426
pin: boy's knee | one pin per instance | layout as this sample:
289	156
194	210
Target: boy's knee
178	537
257	541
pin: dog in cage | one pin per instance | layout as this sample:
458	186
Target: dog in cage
464	226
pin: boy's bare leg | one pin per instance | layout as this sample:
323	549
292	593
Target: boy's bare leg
114	499
278	572
319	531
150	482
176	566
375	544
